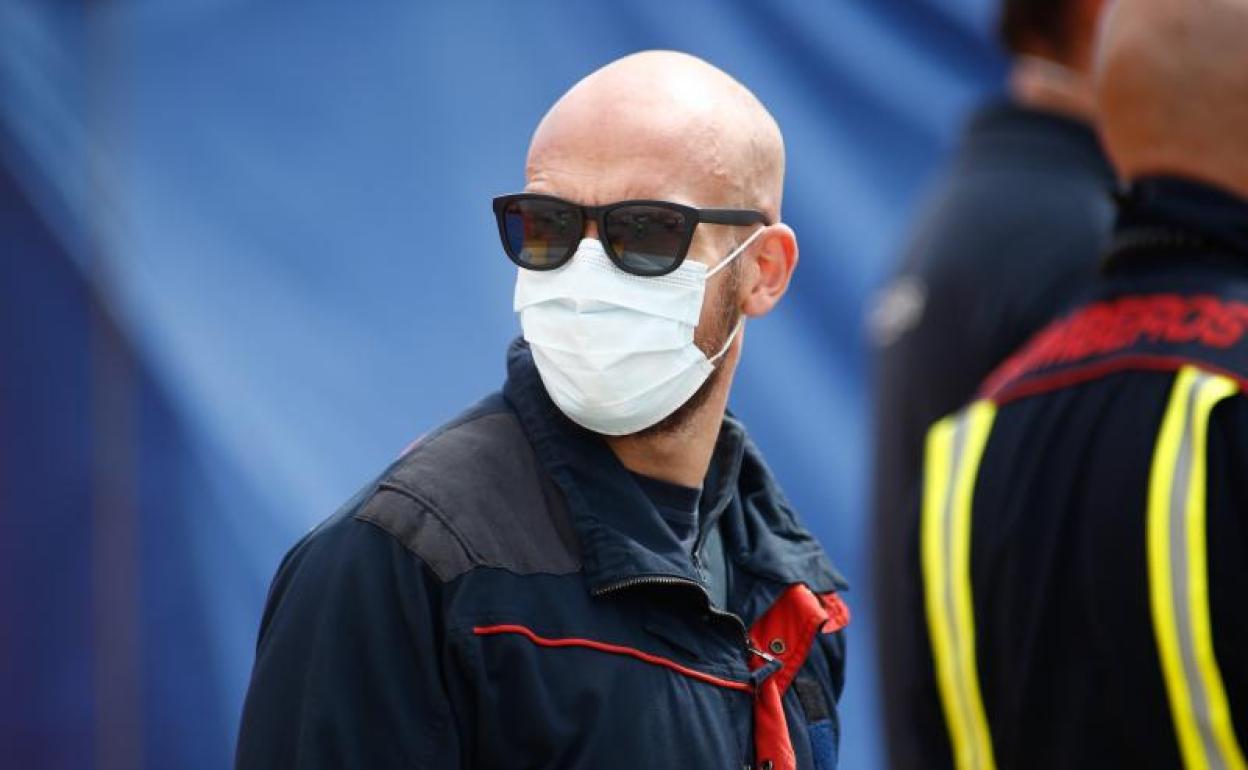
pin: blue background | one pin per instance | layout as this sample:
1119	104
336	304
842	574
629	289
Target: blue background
247	255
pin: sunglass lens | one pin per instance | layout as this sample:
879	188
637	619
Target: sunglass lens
647	240
541	233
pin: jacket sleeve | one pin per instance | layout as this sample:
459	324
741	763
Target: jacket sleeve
348	665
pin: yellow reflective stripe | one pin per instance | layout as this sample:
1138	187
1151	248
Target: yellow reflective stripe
955	446
936	491
1178	575
1220	723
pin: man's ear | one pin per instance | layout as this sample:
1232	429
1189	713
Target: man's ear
769	271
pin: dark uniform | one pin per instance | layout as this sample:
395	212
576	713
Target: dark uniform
1011	236
508	595
1081	561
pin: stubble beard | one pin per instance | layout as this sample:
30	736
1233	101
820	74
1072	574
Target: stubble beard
710	341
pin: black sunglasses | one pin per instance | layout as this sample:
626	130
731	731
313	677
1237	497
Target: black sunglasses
648	238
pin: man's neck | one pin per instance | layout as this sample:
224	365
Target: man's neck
681	456
1048	86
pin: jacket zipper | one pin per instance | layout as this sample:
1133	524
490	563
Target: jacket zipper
661	580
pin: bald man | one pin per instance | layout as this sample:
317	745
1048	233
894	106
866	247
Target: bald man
1082	548
593	568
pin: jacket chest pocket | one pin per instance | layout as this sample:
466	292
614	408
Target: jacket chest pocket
544	698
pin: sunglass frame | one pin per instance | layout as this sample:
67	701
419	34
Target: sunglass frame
598	214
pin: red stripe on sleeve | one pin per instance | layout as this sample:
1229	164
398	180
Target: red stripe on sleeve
614	649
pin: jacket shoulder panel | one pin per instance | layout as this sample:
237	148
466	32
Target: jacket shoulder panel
473	495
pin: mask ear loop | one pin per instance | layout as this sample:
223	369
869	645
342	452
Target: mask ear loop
735	252
724	350
740	321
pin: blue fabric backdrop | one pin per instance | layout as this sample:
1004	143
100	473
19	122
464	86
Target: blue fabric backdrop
246	255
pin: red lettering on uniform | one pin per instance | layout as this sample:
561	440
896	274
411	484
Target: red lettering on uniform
1115	325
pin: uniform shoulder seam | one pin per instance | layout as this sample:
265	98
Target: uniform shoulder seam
432	510
474	494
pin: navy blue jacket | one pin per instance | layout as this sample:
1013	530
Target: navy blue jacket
1105	525
506	596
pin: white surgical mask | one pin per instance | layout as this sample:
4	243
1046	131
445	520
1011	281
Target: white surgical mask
614	350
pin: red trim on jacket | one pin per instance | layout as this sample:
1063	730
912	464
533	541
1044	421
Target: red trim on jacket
1012	391
787	632
1092	337
614	649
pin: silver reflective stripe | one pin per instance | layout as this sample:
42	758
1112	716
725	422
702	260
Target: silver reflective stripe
947	538
1179	572
1178	575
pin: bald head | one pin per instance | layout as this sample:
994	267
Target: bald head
660	124
1172	87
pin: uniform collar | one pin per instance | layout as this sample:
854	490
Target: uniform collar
1166	218
1038	136
621	534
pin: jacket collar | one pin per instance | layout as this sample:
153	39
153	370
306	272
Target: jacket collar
1004	128
1175	220
623	537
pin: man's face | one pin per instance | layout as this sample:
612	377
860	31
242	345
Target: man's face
599	167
